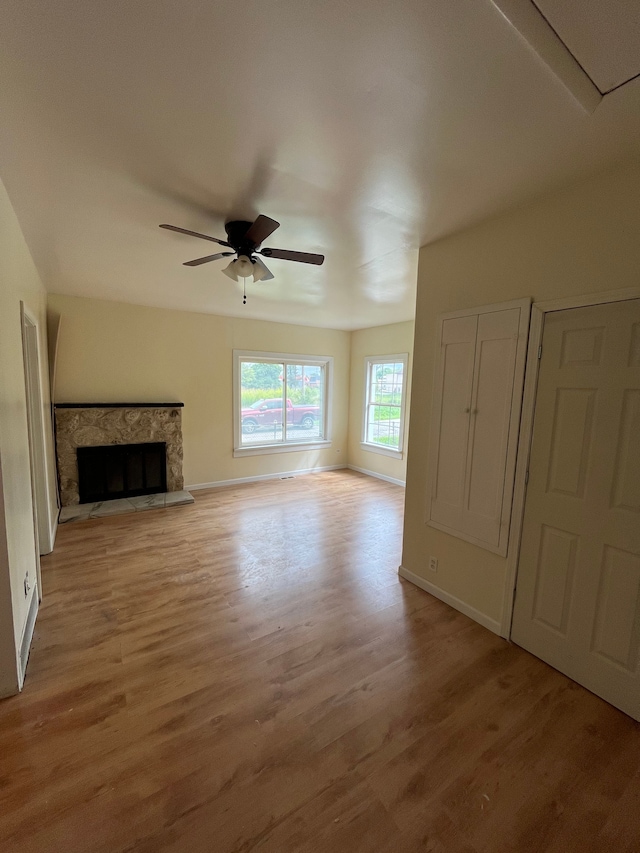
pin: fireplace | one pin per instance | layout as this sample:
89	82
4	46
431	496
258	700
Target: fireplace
116	428
121	471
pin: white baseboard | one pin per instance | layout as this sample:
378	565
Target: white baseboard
376	475
451	600
25	645
239	480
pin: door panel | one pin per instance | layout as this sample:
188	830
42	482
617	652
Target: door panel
582	346
496	343
617	618
554	578
571	440
634	349
626	479
455	380
578	589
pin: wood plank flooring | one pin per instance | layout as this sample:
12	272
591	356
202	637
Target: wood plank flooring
249	674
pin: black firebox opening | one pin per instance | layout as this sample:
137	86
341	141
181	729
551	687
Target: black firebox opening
121	471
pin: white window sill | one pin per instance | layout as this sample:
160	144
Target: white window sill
261	449
383	451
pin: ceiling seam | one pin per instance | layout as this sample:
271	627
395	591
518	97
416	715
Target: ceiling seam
542	15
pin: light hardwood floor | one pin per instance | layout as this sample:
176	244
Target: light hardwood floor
249	674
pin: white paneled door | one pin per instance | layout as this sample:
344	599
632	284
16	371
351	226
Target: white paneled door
578	587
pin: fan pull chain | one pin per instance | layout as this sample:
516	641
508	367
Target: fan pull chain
244	291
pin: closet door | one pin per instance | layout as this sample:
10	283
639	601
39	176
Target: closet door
476	415
453	395
578	595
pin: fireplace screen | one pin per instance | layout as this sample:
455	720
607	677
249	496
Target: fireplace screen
121	471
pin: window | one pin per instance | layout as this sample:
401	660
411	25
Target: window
384	403
281	402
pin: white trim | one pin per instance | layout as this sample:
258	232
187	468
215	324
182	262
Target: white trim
375	474
325	361
31	348
36	429
460	534
524	302
584	300
369	361
277	357
262	449
383	451
237	481
9	658
457	603
538	311
522	466
527	20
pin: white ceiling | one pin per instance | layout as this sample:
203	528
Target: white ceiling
366	128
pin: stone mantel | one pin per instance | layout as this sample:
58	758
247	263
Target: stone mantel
119	405
98	424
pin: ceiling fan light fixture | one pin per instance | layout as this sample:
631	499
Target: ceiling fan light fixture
239	268
243	267
258	272
231	271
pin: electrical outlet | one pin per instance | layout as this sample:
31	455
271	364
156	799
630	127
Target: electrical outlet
433	564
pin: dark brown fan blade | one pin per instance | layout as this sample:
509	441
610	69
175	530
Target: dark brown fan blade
206	260
286	255
195	234
262	228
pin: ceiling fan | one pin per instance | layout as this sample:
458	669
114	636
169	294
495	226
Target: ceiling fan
245	239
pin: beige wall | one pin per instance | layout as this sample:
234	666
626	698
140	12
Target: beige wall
393	339
583	239
112	351
18	281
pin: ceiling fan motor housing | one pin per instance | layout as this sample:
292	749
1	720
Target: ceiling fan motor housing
236	233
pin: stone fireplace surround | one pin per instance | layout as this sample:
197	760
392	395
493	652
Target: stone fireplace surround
96	424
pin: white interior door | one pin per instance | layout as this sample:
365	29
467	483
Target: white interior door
578	586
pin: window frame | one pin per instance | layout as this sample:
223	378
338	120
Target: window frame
325	361
370	362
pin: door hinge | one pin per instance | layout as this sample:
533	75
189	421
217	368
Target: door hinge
526	477
540	351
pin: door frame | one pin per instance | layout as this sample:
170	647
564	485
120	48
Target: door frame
36	429
539	310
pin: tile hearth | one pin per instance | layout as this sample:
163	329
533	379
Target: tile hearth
102	509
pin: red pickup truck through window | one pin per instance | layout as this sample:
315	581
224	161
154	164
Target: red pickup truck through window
267	413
